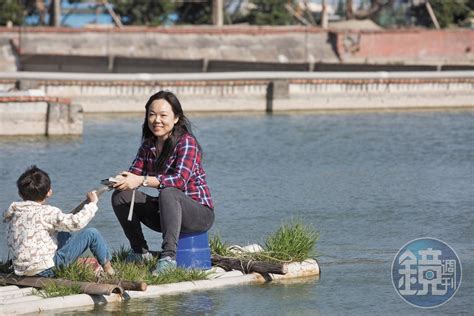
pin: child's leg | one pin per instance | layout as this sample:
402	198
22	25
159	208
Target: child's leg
63	237
79	243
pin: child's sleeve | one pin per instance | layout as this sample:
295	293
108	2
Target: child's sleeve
70	222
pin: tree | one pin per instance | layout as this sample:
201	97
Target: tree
53	5
448	12
139	12
270	12
152	13
36	8
194	13
341	8
11	10
392	17
375	7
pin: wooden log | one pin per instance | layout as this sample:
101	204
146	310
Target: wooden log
133	286
39	282
249	266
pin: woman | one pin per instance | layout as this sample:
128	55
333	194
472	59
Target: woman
168	159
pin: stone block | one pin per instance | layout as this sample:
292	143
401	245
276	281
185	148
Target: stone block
64	119
23	118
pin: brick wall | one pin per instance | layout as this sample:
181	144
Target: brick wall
415	45
232	48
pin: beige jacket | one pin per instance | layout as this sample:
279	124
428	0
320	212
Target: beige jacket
32	233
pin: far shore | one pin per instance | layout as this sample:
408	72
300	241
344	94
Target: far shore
251	91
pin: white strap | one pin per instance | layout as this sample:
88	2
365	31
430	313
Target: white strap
132	203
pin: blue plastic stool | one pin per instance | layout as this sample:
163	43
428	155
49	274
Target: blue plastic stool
193	251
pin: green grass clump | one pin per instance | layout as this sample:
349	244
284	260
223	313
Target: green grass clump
218	247
76	272
142	271
293	241
54	290
120	255
131	271
177	275
126	271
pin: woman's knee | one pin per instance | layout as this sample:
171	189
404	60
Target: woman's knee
169	200
121	197
169	193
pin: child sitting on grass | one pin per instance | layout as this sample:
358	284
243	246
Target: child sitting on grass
38	234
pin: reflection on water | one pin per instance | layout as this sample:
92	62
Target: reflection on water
369	182
312	279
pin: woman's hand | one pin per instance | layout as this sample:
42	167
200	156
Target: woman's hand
92	197
128	181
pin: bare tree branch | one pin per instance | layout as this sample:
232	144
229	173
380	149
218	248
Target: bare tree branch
375	7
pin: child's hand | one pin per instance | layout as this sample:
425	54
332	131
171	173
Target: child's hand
92	197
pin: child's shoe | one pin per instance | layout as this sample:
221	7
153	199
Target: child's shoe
92	263
108	269
164	264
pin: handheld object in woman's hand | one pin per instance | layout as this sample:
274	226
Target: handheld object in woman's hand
109	181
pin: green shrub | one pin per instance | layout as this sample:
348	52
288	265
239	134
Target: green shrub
76	272
218	247
130	271
120	254
293	242
177	275
54	290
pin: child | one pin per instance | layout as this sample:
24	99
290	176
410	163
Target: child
33	226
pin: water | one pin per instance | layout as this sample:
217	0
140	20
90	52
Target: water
369	182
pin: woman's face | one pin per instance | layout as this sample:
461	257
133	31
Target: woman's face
161	119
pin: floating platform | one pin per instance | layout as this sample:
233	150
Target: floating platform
15	300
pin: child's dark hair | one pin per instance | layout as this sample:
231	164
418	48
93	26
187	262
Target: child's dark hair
34	184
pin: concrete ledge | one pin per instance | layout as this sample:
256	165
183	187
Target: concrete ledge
27	115
47	304
7	85
26	98
217	279
380	101
259	91
263	75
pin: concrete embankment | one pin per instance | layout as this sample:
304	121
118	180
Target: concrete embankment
194	48
39	115
14	301
257	91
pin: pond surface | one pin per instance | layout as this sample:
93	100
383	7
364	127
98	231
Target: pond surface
369	182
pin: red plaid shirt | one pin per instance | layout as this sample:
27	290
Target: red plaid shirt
183	169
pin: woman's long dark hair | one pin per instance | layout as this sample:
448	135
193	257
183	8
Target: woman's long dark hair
181	127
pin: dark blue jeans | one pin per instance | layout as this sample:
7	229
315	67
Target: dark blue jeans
72	246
